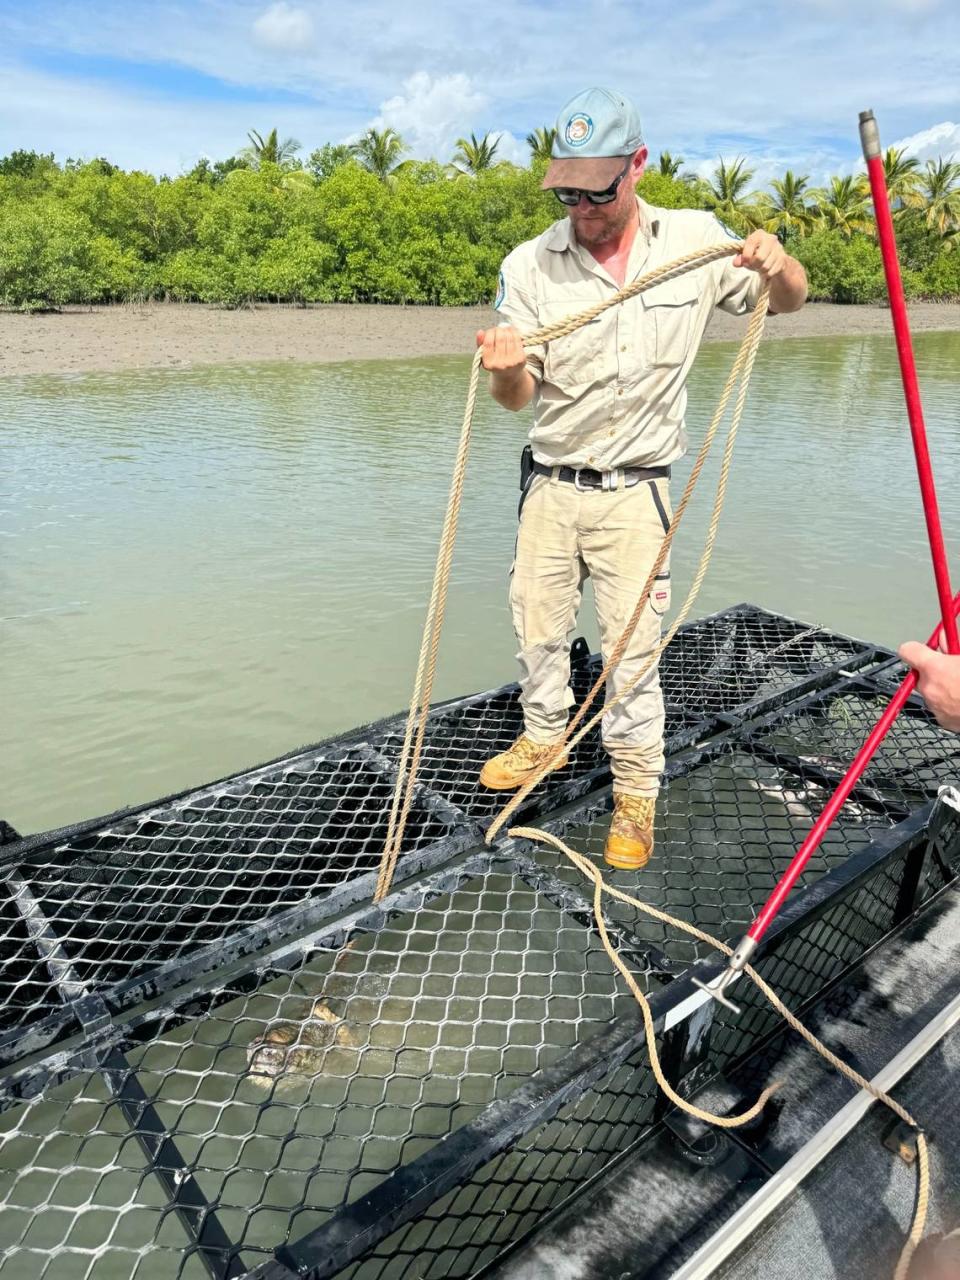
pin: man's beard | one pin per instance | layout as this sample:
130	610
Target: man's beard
594	233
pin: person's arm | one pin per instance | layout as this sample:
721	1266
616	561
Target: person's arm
511	383
763	253
938	681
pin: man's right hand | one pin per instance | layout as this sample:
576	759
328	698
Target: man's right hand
511	382
502	350
938	681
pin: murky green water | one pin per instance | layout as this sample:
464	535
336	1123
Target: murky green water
203	569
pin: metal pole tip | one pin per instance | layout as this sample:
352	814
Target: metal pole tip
869	135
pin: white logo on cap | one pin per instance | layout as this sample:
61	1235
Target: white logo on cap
579	130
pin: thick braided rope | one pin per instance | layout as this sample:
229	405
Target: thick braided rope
409	761
600	887
742	368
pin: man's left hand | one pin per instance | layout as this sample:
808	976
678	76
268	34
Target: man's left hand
762	252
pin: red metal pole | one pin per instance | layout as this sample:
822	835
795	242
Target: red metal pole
870	139
836	802
748	943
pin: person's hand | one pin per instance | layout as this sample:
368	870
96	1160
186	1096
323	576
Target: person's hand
938	681
502	350
762	252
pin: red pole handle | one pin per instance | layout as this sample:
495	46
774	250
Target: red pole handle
836	802
870	139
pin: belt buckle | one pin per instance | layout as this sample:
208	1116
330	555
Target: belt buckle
584	488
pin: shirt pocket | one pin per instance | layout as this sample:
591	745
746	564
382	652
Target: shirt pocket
669	311
574	360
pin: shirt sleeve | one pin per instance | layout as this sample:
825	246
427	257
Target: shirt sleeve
514	306
739	287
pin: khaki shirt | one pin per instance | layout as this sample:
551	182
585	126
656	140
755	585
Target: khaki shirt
613	393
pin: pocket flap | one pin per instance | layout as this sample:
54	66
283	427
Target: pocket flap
673	293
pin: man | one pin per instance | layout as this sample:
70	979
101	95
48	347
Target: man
938	681
608	422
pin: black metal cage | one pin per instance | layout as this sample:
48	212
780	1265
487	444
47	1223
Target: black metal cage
220	1059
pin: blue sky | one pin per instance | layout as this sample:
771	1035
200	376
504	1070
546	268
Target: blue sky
156	85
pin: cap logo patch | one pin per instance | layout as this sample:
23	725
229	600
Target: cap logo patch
579	130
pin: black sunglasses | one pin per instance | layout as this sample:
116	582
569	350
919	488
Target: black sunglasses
571	195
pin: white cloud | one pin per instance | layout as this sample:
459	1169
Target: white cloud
930	144
81	118
431	113
284	28
790	101
510	148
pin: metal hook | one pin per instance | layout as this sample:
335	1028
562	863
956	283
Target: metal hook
735	966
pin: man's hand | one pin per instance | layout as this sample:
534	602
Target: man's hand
764	253
502	350
938	681
511	382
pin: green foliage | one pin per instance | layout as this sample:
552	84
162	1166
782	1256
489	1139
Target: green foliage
360	223
475	154
26	164
540	142
380	151
270	150
327	158
841	270
668	192
50	256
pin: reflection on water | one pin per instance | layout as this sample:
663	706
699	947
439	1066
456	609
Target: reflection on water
202	569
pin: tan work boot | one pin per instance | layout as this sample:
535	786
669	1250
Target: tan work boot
630	842
517	765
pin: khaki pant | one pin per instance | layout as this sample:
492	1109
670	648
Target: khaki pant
566	535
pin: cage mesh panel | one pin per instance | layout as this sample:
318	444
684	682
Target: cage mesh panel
714	666
292	1092
156	886
508	1197
24	980
424	1023
915	757
75	1198
719	664
724	833
506	1200
803	964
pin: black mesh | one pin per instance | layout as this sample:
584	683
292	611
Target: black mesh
270	1076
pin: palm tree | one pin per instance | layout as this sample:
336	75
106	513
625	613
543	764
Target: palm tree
726	195
476	155
844	205
270	150
939	190
541	142
669	166
786	209
380	152
902	178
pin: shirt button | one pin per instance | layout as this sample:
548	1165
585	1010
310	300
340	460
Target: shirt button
624	347
620	391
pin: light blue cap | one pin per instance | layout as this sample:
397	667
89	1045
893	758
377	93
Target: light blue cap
596	125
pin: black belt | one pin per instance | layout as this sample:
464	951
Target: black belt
588	478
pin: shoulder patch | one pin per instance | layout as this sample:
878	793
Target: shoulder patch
501	292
